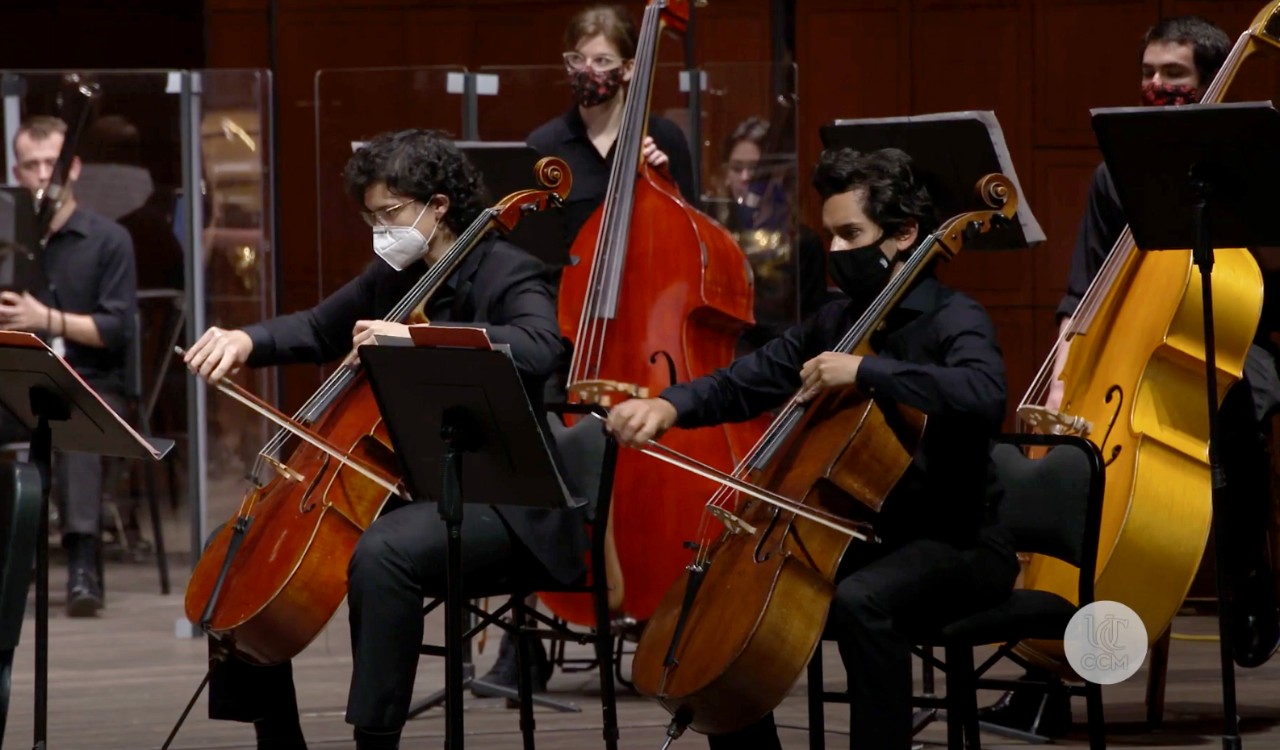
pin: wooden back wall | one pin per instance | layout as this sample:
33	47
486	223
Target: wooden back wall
1039	64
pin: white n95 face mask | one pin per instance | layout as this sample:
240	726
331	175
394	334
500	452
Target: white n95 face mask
401	246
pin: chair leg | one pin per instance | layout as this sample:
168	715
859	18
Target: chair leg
603	639
157	529
962	699
524	673
1157	673
1097	722
817	716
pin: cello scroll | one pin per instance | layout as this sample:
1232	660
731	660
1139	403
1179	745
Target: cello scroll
995	190
554	175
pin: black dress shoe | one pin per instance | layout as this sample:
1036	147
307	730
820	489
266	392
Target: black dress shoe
84	593
505	672
1031	710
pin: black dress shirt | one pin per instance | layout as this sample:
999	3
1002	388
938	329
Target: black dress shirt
90	267
1100	226
566	137
498	287
938	354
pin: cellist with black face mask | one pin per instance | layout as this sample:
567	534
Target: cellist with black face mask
418	193
937	354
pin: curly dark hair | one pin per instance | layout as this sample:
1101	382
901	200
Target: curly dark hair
1210	45
893	195
419	164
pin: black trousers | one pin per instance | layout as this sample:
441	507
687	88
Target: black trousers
881	597
77	477
398	562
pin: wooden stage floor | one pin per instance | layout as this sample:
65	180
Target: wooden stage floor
121	681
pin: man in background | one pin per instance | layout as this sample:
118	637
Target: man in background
85	313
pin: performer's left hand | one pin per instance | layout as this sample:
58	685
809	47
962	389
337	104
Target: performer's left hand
22	312
651	153
827	370
365	330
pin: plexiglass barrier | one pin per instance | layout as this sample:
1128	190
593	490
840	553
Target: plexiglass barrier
753	194
181	160
354	105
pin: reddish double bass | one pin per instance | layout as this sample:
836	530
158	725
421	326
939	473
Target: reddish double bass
274	575
659	294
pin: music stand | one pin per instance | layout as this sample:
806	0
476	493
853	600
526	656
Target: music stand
1199	177
949	153
62	412
441	403
506	166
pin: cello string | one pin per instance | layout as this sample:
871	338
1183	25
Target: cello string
342	376
817	515
788	418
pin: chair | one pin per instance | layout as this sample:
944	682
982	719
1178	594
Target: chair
118	475
588	456
1051	506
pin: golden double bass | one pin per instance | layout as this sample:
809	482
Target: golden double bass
1134	384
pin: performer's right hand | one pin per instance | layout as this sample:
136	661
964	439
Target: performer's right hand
217	353
637	421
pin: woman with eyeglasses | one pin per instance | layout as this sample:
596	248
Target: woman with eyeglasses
600	47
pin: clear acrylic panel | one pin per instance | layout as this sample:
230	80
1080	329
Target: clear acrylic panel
353	105
760	208
233	111
155	139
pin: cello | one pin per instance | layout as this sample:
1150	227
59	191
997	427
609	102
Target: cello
730	638
659	294
274	575
1134	384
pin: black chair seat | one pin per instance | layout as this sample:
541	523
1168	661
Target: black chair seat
1026	614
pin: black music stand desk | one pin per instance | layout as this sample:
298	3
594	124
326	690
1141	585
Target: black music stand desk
1199	177
950	152
465	432
62	412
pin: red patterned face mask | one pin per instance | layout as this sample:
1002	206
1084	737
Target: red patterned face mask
591	88
1163	94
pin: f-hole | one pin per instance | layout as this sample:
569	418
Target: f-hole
760	554
1117	392
671	364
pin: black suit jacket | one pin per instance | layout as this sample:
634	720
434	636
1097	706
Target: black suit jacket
500	288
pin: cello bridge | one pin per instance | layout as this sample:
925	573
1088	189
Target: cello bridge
285	471
606	392
1053	422
734	524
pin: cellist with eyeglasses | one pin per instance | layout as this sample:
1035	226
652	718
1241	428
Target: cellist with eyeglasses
938	556
419	194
